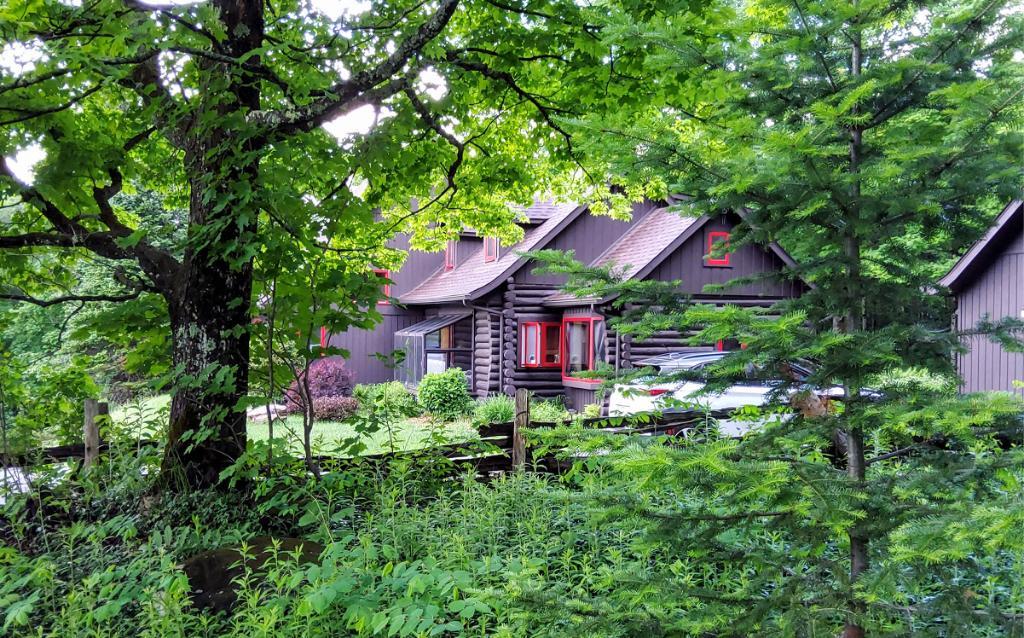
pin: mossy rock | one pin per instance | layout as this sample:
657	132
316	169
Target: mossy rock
212	573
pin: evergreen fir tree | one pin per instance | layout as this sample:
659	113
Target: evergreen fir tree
874	140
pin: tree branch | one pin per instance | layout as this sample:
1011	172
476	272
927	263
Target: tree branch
69	298
146	75
360	88
29	240
883	114
158	264
430	120
547	112
29	114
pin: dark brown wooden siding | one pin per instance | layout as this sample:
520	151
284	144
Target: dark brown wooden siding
579	398
362	345
588	236
686	264
997	292
417	267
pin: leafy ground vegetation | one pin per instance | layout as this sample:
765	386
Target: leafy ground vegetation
603	551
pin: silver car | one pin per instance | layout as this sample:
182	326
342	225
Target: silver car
651	394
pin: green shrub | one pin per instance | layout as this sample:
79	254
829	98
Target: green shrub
334	408
445	394
392	396
327	378
591	411
550	411
497	409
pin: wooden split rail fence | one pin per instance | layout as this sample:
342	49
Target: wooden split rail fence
502	447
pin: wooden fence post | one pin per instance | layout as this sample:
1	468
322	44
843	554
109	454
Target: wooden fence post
91	429
521	422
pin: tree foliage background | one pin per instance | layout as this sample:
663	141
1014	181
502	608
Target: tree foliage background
218	108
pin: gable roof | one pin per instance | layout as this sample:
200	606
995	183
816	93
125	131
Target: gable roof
643	247
1009	224
640	249
475	277
540	211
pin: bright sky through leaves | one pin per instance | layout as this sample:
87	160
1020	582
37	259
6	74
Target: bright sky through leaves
18	57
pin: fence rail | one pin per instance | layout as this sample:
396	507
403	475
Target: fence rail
501	447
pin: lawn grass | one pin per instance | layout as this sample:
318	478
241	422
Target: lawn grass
144	408
328	436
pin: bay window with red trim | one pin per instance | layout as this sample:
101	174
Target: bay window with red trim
583	346
539	344
713	256
386	288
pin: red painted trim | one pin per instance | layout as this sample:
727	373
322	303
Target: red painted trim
449	255
590	320
541	344
386	289
544	344
523	327
490	249
720	345
714	237
323	336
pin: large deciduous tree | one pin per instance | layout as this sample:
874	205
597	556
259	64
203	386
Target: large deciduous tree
874	139
220	106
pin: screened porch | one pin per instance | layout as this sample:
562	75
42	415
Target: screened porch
434	345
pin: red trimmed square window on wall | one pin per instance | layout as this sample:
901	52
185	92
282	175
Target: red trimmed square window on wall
449	255
713	256
539	344
386	288
490	248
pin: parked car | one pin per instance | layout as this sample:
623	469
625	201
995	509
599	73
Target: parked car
651	394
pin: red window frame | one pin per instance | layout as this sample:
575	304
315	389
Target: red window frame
587	319
490	249
542	344
449	255
713	237
386	289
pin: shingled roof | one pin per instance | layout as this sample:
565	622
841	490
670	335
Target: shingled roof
1008	225
540	211
640	249
644	246
475	277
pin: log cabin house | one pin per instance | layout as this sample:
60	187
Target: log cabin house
988	281
480	307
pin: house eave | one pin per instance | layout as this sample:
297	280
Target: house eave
963	269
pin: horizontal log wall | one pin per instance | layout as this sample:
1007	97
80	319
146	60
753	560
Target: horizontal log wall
661	342
519	300
487	354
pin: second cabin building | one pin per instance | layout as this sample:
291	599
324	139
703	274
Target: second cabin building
479	307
